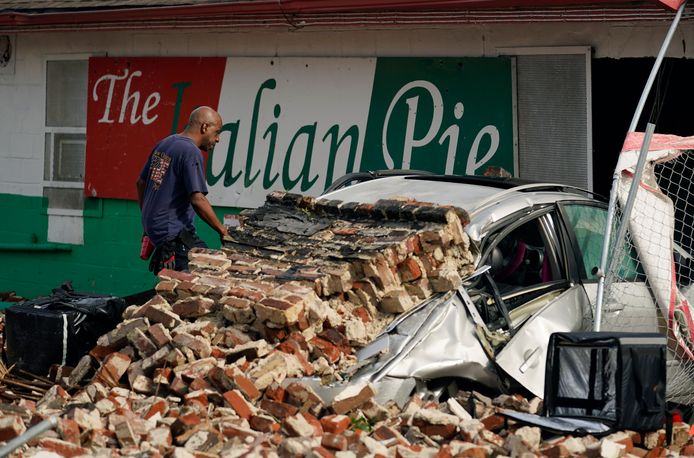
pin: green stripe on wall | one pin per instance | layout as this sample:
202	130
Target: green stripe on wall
107	263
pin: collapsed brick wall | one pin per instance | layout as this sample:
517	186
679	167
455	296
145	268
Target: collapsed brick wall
312	279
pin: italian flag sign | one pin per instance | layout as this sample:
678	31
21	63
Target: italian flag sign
296	123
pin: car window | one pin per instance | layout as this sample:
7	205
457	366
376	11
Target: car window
520	257
588	224
526	271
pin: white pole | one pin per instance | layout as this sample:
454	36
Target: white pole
45	425
615	178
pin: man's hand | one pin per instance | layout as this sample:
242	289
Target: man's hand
223	234
204	210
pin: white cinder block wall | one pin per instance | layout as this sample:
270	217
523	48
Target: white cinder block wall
22	94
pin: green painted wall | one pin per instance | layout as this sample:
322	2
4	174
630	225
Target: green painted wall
107	263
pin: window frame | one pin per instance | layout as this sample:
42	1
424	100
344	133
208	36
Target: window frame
49	133
551	232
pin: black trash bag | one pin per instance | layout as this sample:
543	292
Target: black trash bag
58	329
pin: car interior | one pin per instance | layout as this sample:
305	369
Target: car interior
521	278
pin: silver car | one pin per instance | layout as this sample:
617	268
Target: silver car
537	246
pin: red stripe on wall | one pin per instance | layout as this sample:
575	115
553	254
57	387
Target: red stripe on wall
135	102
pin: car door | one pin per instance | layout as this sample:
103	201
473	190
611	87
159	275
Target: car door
586	223
561	305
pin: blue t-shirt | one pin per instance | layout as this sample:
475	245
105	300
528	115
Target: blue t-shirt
173	172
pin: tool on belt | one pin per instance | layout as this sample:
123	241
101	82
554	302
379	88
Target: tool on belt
164	256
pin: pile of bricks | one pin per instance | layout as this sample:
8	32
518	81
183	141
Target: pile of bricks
117	422
205	367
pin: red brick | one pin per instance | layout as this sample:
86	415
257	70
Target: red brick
185	422
113	368
244	293
304	397
194	307
61	447
245	386
236	401
443	431
335	337
199	397
556	451
292	347
335	424
275	393
264	423
168	274
303	323
221	378
298	426
352	397
363	314
11	426
387	433
444	452
657	452
322	347
274	334
334	441
473	452
143	344
158	407
345	230
278	409
230	430
160	315
178	386
159	334
494	422
410	269
313	421
278	311
69	430
324	453
198	383
162	375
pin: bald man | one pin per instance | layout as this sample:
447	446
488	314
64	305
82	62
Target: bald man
171	189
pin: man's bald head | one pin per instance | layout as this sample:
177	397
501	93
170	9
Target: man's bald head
203	115
204	126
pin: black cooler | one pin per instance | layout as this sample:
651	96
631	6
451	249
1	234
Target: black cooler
58	329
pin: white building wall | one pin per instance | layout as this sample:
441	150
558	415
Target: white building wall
22	96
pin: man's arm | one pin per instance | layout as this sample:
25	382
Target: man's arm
204	210
140	184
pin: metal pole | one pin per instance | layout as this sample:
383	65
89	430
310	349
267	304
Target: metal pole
45	425
656	67
638	172
615	178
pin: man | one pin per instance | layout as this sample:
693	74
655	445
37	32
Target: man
171	190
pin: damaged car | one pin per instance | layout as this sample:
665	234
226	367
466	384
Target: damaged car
537	249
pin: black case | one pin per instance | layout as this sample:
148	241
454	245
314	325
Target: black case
58	329
615	378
